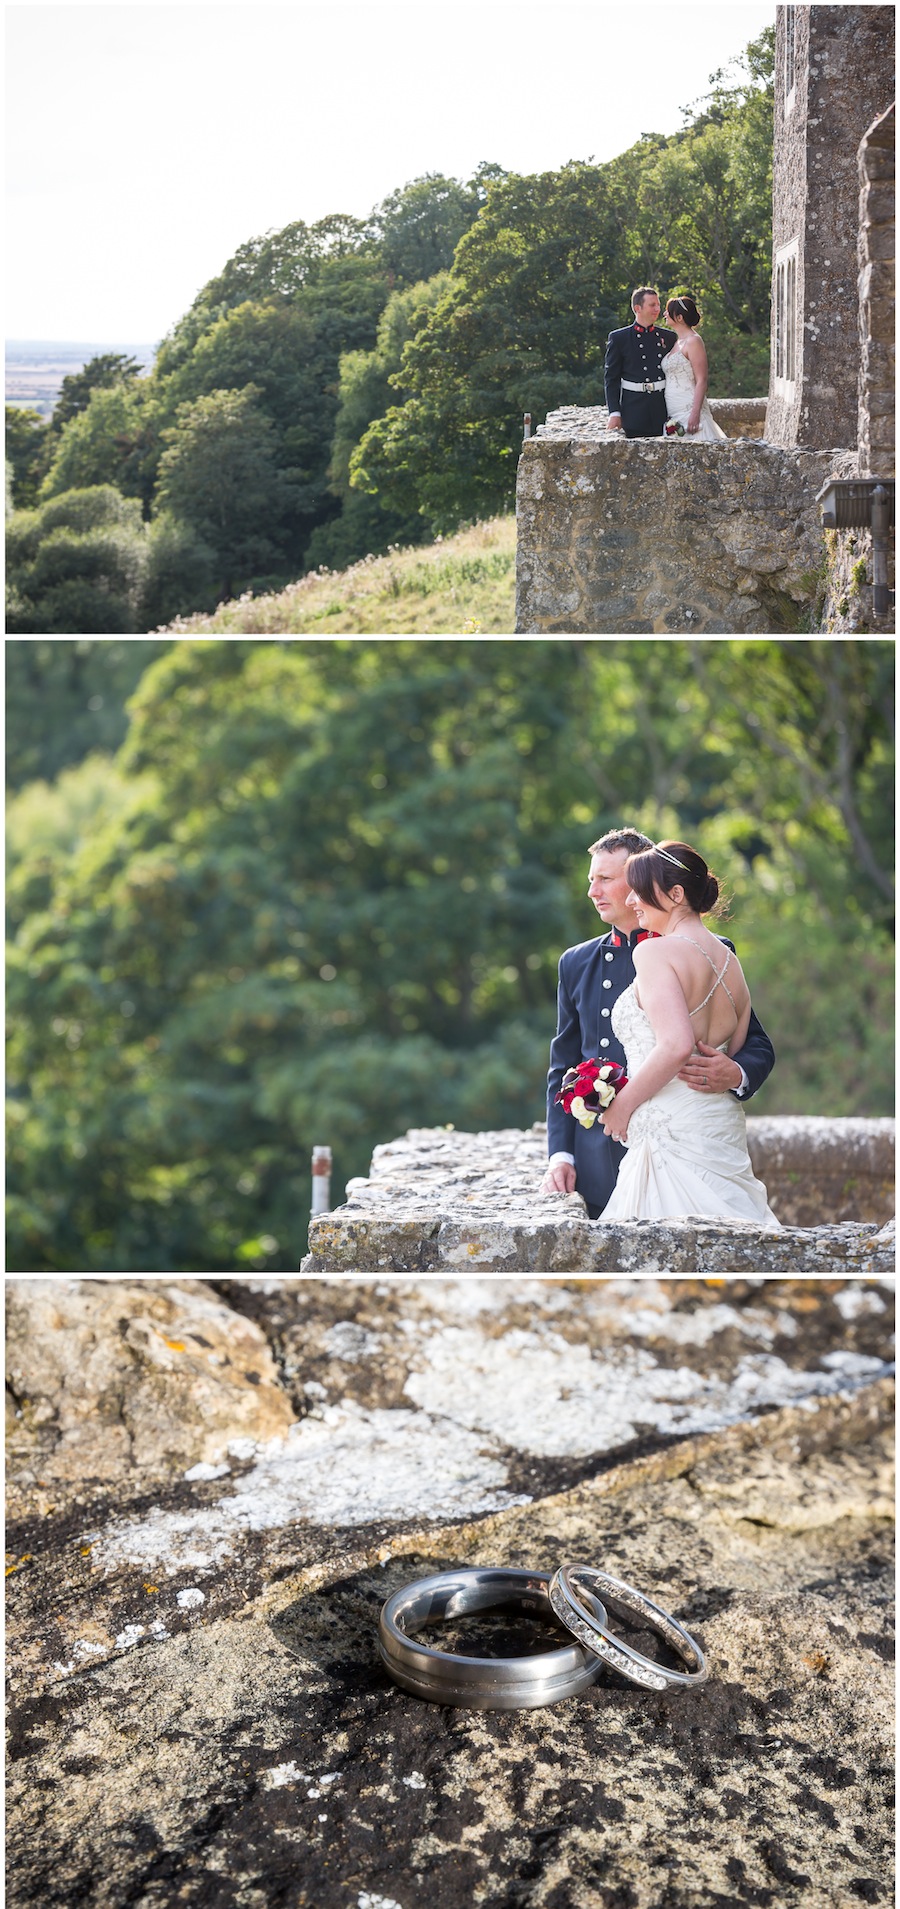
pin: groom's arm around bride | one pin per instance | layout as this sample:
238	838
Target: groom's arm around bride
592	976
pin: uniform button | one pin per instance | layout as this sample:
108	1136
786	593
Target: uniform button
605	1013
607	957
607	984
604	1043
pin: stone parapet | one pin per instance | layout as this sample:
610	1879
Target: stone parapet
438	1201
646	537
822	1171
737	417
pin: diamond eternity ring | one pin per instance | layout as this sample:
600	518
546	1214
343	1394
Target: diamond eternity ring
570	1597
483	1683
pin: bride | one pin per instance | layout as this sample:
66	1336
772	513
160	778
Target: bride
686	371
687	1152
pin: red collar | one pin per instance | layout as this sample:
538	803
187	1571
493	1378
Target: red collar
631	941
638	327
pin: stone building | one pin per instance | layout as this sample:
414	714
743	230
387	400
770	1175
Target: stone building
834	77
877	272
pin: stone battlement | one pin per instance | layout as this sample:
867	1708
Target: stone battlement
737	417
641	536
438	1201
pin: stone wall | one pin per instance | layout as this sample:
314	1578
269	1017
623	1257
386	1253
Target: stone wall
843	69
650	538
737	417
740	417
438	1201
848	606
877	291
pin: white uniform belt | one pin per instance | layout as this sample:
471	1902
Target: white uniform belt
627	385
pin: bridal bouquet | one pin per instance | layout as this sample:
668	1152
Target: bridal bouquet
590	1087
672	429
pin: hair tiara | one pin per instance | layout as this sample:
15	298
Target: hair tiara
673	858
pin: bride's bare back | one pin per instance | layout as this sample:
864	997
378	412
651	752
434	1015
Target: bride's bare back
712	981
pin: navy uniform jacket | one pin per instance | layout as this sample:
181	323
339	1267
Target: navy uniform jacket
636	353
591	978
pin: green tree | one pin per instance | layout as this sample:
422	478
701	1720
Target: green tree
76	564
365	524
180	572
110	368
67	701
278	266
219	473
290	352
110	440
419	226
27	451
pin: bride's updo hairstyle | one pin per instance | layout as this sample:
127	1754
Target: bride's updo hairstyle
683	308
670	865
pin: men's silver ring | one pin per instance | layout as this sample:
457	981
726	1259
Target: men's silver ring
705	1082
482	1683
570	1590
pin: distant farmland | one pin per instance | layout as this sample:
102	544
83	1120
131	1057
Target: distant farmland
35	368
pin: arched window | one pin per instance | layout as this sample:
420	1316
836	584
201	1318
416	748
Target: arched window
790	75
787	341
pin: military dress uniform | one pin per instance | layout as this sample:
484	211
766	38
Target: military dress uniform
634	379
591	978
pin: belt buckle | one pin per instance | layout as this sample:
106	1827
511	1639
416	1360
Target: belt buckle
647	385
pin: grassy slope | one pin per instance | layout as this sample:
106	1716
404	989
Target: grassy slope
461	586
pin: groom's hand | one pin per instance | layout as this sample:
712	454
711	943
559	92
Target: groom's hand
614	421
710	1072
559	1179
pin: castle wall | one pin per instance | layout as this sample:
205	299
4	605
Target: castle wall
440	1201
647	537
834	74
877	292
848	604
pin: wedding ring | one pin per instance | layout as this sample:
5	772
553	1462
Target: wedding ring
575	1611
705	1081
482	1683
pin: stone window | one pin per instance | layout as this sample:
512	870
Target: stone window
790	24
785	291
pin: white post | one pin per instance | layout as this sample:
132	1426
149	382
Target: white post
321	1181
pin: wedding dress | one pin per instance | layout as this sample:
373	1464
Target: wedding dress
680	388
687	1152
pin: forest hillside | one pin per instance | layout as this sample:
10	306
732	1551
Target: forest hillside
355	384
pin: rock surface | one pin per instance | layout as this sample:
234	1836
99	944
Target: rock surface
198	1714
107	1375
438	1201
607	535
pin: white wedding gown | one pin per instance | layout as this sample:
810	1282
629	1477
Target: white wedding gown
687	1152
680	387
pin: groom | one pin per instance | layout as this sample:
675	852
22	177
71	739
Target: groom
591	978
635	382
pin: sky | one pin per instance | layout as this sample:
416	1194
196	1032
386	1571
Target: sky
147	142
